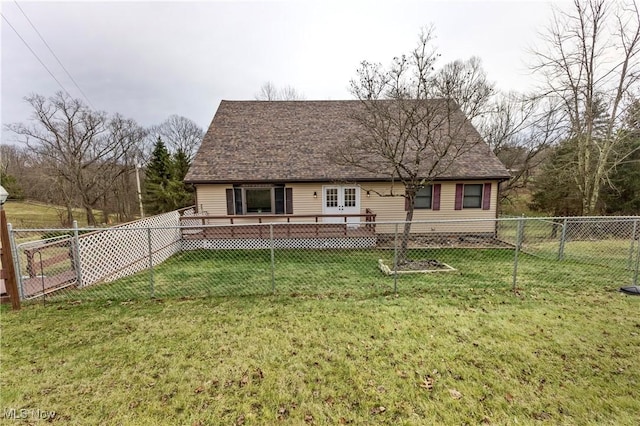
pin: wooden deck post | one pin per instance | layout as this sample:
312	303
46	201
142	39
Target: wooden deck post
7	263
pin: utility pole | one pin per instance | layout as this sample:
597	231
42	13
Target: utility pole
139	190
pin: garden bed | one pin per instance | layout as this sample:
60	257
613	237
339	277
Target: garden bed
423	266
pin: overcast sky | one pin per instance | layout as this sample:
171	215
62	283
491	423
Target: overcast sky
148	60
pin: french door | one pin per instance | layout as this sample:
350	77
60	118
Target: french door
341	200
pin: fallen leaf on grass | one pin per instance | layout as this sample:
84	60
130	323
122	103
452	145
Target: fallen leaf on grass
240	420
258	374
455	394
282	413
244	380
427	383
401	374
308	418
542	416
509	398
378	410
199	389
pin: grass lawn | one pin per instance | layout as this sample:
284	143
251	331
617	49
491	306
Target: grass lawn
341	273
455	348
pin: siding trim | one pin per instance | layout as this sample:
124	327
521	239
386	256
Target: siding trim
459	195
486	196
435	197
288	200
230	202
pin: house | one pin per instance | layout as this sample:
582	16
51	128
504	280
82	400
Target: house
273	161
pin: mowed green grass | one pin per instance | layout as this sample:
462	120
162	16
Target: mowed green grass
328	273
453	348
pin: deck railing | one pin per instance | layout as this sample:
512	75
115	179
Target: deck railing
284	226
369	219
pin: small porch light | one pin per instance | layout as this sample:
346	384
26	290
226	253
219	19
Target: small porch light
315	194
368	193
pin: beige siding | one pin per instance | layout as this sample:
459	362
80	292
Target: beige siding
391	209
303	200
212	199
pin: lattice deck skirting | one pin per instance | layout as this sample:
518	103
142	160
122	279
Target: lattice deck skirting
279	243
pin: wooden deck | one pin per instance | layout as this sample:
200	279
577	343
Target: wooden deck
281	226
43	285
291	231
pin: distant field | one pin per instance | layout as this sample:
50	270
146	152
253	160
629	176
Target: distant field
32	214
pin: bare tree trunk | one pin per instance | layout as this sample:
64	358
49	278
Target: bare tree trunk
406	233
91	219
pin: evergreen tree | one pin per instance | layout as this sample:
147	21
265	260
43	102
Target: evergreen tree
12	186
158	176
165	189
555	192
622	196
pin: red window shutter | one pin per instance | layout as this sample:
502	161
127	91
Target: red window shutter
435	203
288	200
459	194
486	197
230	203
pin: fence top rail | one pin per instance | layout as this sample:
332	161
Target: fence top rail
274	216
58	241
557	220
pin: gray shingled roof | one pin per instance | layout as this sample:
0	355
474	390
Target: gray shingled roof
292	141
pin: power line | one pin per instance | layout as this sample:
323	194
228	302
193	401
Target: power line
34	54
54	55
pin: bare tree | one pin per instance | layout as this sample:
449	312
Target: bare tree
269	92
465	82
81	149
520	129
589	60
179	134
412	128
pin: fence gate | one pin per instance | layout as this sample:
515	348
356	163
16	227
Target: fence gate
46	266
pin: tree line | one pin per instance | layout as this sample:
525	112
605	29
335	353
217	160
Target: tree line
573	143
73	156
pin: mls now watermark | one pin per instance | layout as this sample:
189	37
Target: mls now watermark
28	414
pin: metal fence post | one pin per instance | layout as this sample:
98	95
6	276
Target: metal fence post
517	252
395	262
151	283
633	241
563	236
75	247
635	275
273	262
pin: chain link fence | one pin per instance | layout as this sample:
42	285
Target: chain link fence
178	255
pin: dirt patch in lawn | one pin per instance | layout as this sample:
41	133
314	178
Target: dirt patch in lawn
421	266
444	241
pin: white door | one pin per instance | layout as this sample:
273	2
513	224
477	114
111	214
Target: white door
341	200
